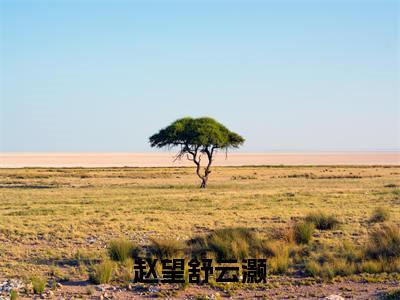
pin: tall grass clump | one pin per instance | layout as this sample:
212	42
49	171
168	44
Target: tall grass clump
125	272
312	268
370	266
120	250
166	248
227	243
303	232
380	214
329	260
330	269
231	243
384	243
322	221
38	284
102	273
279	263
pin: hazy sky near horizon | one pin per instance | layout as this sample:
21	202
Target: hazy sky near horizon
288	75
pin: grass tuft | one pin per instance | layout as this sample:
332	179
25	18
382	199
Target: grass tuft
312	268
228	243
384	243
38	284
102	273
322	221
303	232
380	214
370	266
166	248
120	250
279	263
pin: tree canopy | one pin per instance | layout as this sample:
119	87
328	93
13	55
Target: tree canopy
195	137
201	132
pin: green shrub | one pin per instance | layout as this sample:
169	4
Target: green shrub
166	248
303	232
384	243
121	250
380	214
38	284
102	273
322	221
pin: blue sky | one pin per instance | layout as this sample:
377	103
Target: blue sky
287	75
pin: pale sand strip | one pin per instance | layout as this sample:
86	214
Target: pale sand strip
17	160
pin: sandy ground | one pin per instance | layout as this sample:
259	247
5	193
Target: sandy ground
166	159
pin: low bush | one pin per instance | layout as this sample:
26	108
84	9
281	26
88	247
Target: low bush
102	273
38	284
322	221
380	214
121	250
303	232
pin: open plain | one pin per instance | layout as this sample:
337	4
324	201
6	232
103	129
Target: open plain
55	223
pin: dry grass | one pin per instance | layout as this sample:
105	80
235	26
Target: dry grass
303	232
48	215
102	273
384	243
380	214
322	220
121	249
38	284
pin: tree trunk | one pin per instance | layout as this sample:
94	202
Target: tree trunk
203	182
197	161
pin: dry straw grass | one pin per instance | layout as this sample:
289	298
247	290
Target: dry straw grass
51	213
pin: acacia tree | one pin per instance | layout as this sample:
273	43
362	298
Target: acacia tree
197	138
